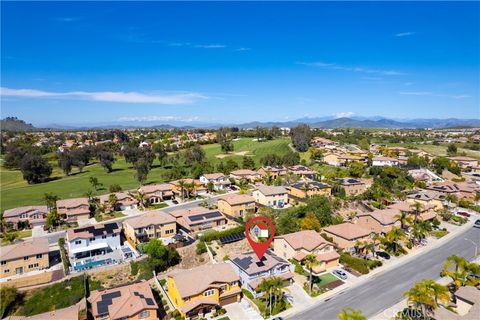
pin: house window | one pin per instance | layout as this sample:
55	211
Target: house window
39	256
208	293
23	216
26	258
104	237
7	270
4	263
144	314
114	235
233	283
78	241
92	239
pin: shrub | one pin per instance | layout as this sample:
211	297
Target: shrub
134	268
163	282
357	264
226	257
201	247
248	294
372	264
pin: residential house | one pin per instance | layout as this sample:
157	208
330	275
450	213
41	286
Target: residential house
34	215
132	301
303	190
93	245
219	181
271	196
236	205
462	190
378	221
198	218
157	193
384	161
467	306
300	244
426	198
302	172
151	224
351	186
74	209
27	256
465	162
124	201
425	212
273	172
198	291
245	174
252	271
345	234
57	314
319	142
333	159
424	175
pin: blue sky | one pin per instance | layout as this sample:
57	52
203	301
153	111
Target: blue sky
79	63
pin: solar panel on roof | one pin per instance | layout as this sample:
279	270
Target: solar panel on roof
208	215
149	301
103	304
232	238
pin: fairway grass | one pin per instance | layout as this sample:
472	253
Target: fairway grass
17	192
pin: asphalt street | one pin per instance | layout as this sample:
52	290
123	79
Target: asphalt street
386	289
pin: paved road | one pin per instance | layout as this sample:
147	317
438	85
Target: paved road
385	289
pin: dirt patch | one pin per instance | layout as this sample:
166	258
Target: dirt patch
231	249
333	285
115	276
190	258
242	153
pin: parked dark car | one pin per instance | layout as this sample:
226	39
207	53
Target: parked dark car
383	255
477	223
463	214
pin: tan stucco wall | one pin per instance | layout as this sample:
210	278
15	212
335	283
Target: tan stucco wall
9	269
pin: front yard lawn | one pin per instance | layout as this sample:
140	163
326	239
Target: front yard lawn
325	279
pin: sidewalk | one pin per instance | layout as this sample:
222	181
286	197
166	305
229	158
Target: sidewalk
398	262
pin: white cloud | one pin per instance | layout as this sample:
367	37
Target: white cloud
108	96
432	94
242	49
198	46
158	118
344	114
335	66
210	46
67	19
404	34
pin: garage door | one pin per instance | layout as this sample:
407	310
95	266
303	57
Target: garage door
228	300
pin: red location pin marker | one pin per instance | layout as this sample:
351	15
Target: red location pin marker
264	228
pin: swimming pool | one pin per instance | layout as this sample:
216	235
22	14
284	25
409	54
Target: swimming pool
90	264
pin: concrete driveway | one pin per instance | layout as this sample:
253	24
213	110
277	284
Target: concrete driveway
242	311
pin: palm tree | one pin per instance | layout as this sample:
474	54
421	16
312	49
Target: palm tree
459	272
310	261
112	201
369	247
51	201
181	185
141	197
272	287
190	187
427	295
421	230
404	218
418	207
351	314
392	241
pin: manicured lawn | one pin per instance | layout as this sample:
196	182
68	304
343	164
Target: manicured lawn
325	279
106	216
57	296
21	234
17	192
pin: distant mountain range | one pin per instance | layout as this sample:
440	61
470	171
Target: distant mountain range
14	124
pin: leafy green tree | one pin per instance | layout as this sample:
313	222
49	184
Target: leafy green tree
301	136
107	159
35	169
310	222
142	168
160	257
452	149
248	162
272	287
115	188
356	169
